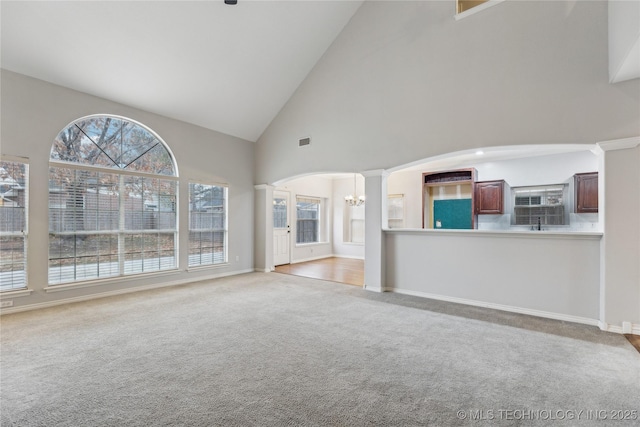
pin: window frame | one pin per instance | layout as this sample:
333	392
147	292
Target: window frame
24	233
136	225
225	230
319	220
543	192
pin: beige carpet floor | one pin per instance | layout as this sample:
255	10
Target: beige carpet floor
275	350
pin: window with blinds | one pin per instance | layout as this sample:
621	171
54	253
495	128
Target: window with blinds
207	224
544	205
307	220
112	201
14	199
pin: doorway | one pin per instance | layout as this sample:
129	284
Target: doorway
281	228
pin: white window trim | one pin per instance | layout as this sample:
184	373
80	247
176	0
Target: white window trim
66	286
226	224
25	291
322	224
121	276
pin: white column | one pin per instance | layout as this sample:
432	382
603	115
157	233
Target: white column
263	236
619	210
375	219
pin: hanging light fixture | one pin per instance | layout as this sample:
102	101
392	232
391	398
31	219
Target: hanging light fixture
353	199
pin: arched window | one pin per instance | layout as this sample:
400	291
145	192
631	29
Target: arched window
112	201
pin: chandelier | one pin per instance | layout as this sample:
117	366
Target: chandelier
352	199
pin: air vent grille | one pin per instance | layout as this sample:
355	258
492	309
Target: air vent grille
304	142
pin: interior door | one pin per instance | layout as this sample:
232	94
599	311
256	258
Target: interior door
281	228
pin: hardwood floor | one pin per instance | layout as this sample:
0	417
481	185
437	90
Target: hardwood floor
342	270
634	340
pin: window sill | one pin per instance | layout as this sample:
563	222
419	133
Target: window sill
476	9
16	294
194	268
107	281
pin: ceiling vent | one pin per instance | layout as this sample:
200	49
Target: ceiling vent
304	142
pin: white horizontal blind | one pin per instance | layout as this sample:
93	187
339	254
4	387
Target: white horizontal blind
543	205
112	201
109	224
307	219
207	224
14	215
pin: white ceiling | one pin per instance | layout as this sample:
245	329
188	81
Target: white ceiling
226	68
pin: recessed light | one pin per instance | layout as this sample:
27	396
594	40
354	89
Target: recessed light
479	153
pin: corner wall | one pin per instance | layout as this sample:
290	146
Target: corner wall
621	242
34	112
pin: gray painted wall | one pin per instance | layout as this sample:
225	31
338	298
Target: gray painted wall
34	112
404	81
555	275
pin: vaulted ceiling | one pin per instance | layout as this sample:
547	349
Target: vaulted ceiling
226	68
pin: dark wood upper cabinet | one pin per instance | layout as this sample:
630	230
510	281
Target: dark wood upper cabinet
586	185
489	197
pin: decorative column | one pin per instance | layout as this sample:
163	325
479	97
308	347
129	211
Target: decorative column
375	219
619	210
263	228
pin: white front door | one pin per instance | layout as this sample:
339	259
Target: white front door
281	228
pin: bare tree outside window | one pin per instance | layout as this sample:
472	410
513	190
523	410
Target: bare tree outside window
112	201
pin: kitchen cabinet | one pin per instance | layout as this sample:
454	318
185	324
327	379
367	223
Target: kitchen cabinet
586	192
489	197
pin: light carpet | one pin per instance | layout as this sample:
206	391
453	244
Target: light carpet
272	350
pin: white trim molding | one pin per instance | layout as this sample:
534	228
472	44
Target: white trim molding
619	329
315	258
47	304
263	186
619	144
348	256
15	294
501	307
375	172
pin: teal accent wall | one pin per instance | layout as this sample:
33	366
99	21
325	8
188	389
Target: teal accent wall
452	214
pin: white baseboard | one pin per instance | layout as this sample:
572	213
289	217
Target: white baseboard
509	308
47	304
325	257
310	259
348	256
617	329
